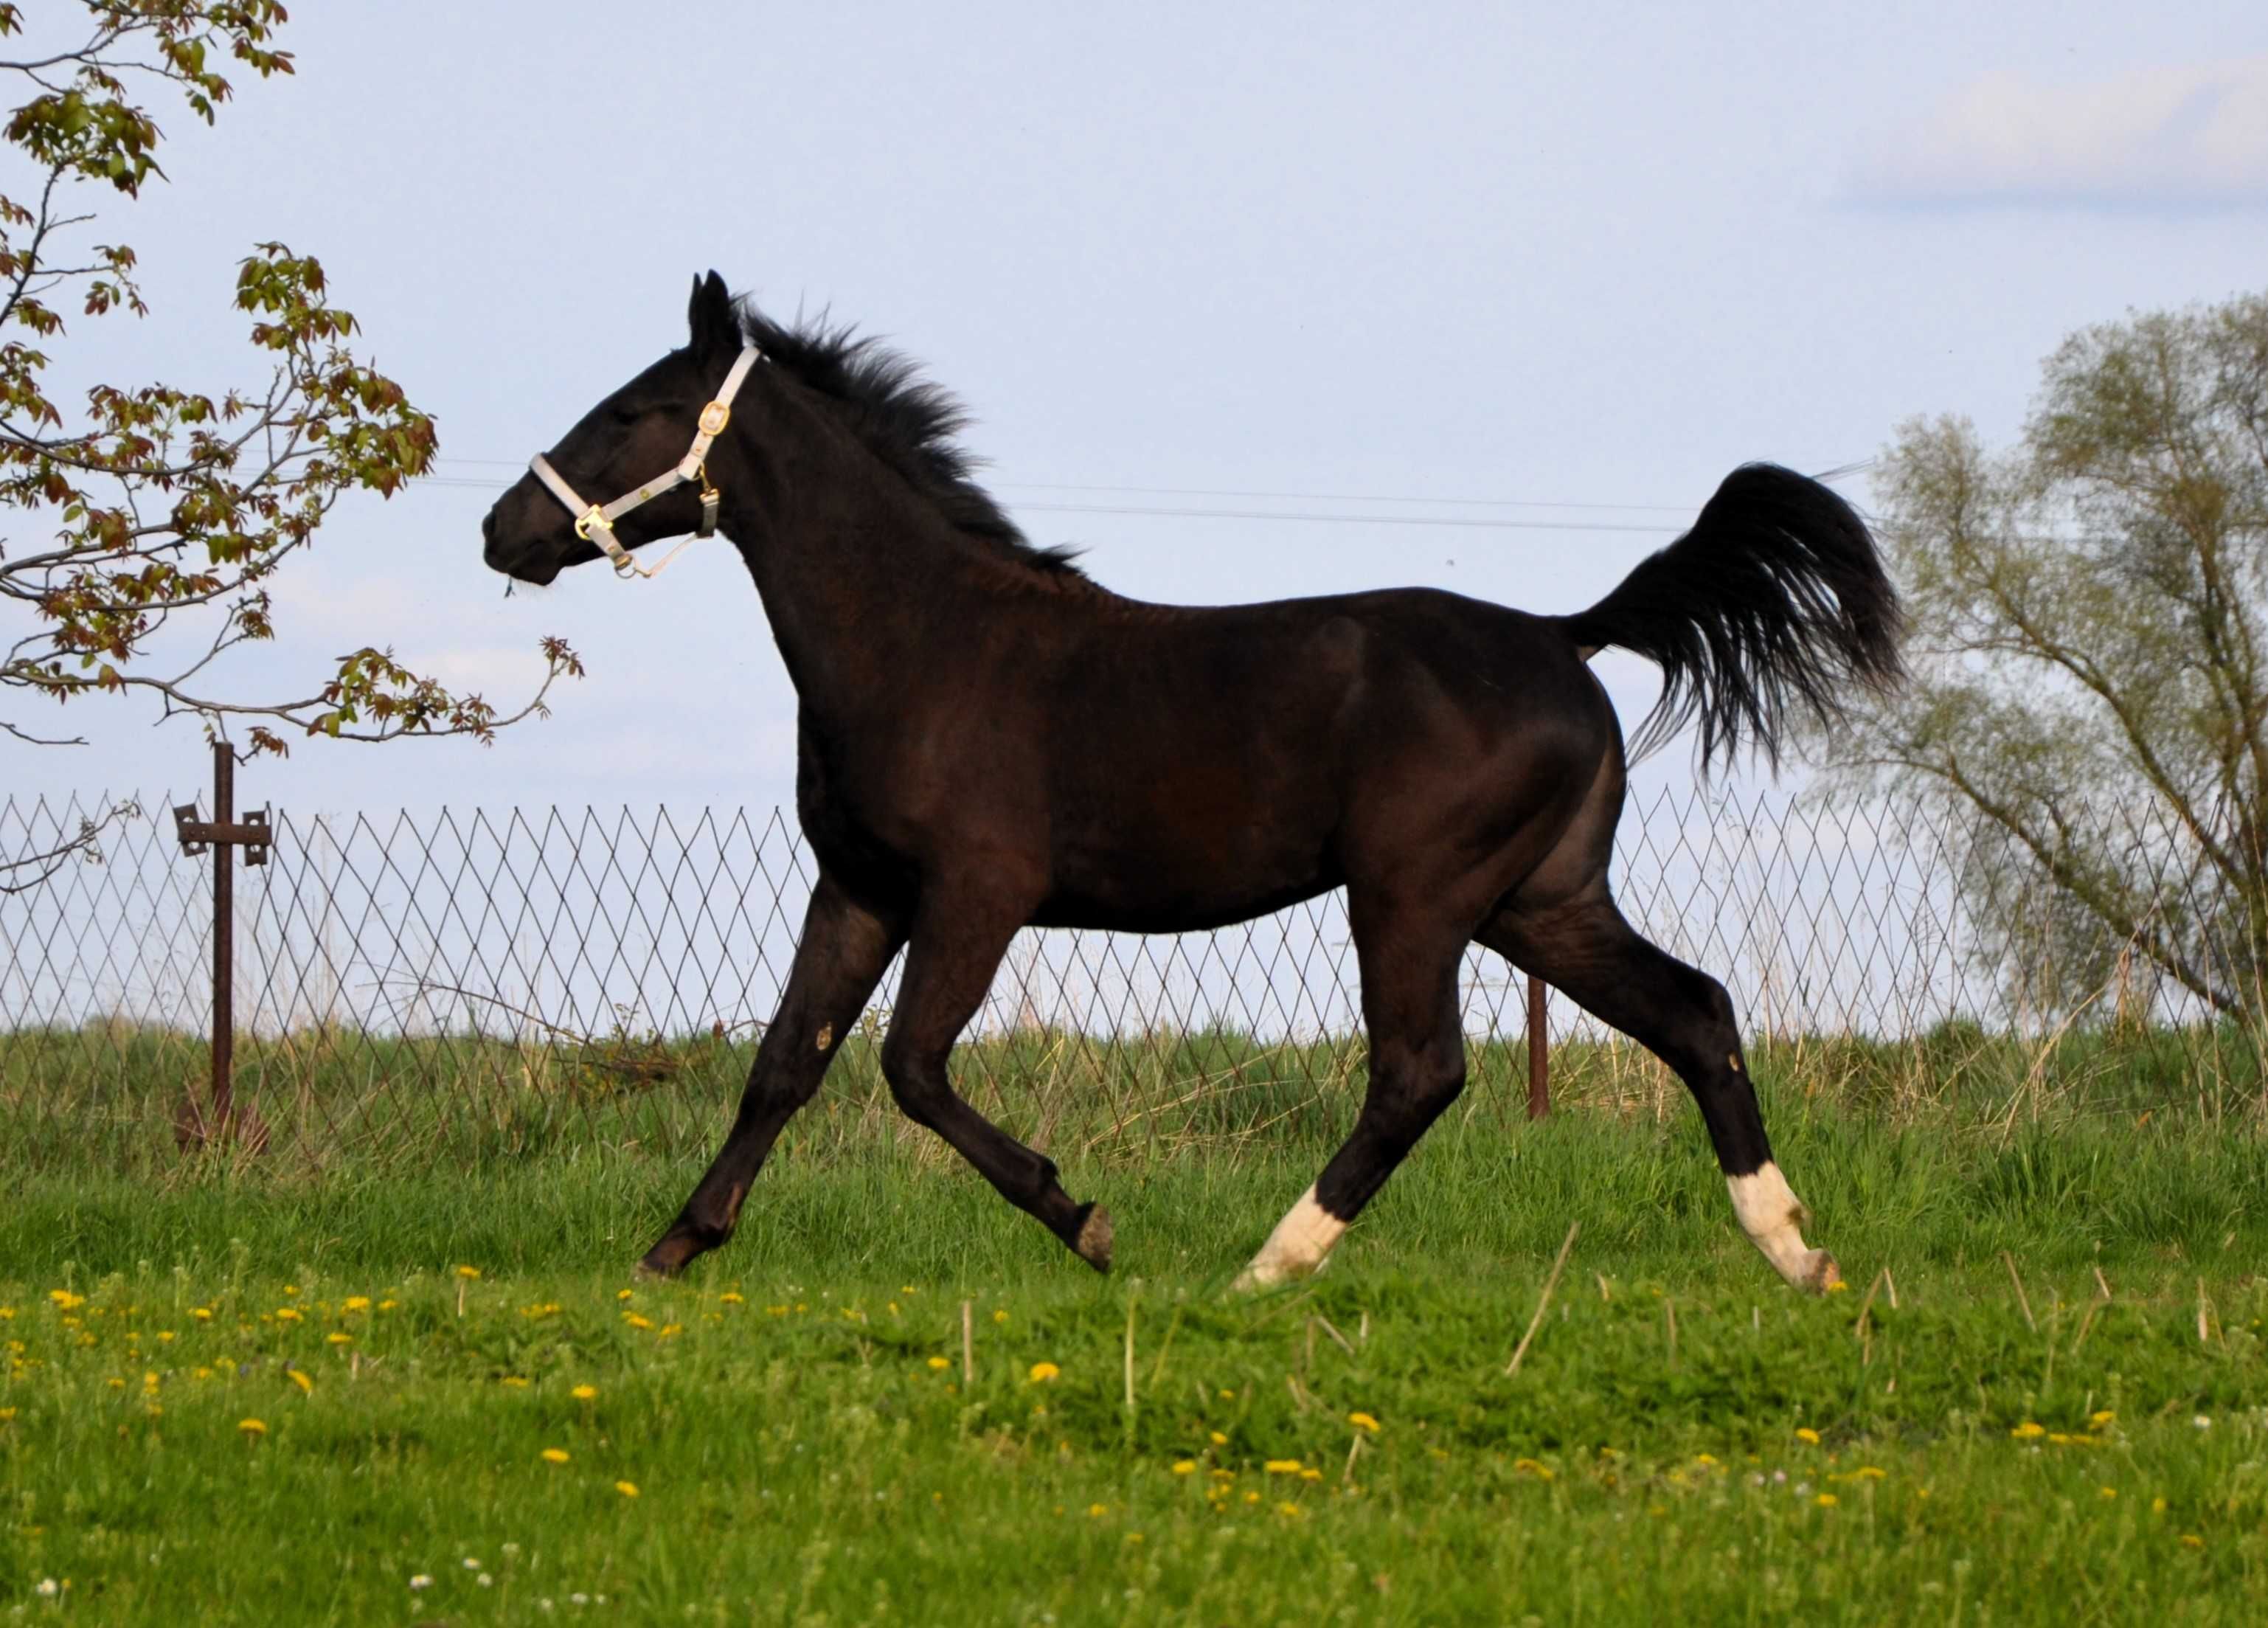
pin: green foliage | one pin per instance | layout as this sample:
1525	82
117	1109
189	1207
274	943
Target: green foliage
163	505
2089	613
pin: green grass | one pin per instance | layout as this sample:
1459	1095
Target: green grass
798	1458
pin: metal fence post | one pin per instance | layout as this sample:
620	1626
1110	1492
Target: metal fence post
223	833
1539	1054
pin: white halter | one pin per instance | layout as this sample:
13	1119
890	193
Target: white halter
595	522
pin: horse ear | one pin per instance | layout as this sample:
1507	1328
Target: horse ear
715	329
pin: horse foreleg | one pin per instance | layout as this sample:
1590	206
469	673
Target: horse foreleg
840	958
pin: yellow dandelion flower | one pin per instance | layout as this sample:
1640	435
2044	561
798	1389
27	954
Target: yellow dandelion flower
1289	1509
2157	1506
1529	1467
2028	1431
1363	1421
6	1414
514	1381
585	1393
1283	1466
337	1338
2106	1491
1707	1460
636	1322
1218	1440
627	1489
298	1376
356	1302
118	1384
1043	1371
165	1337
939	1364
1868	1472
287	1315
203	1314
1806	1433
1182	1466
252	1427
1252	1498
290	1288
668	1328
2191	1540
468	1272
554	1455
2097	1420
1827	1500
387	1305
732	1297
1097	1511
623	1294
999	1316
1311	1474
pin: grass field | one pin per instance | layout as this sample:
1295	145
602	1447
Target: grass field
273	1394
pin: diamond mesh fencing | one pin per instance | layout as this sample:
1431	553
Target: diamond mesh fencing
468	984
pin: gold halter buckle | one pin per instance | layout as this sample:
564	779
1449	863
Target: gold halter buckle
714	418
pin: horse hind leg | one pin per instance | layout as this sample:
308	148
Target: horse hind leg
1417	1070
1584	949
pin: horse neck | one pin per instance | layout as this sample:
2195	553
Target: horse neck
859	574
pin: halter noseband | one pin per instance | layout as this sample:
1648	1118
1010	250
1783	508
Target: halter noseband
594	522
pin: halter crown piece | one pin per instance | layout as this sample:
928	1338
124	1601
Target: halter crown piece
595	522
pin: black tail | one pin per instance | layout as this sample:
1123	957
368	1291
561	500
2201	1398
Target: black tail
1775	600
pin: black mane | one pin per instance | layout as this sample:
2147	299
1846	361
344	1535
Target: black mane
906	421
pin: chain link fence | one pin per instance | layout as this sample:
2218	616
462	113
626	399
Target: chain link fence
464	984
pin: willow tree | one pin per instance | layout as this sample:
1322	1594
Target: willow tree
142	522
2089	615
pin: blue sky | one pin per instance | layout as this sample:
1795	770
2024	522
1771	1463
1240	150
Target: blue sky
1518	257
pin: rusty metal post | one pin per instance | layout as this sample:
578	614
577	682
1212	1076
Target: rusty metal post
1539	1055
224	939
192	1124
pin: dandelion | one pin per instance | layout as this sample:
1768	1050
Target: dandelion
252	1427
555	1456
471	1565
514	1381
1181	1467
469	1272
938	1363
1706	1461
420	1580
1529	1467
1097	1511
2099	1420
387	1305
2202	1422
66	1300
2191	1540
732	1297
1218	1440
636	1322
627	1489
285	1314
623	1294
2107	1491
6	1414
1283	1467
1363	1421
668	1328
1827	1500
48	1589
1868	1472
337	1338
2028	1431
1804	1433
999	1316
203	1314
1292	1510
1043	1371
298	1376
585	1393
356	1302
2157	1506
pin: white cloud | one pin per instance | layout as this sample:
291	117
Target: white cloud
2157	137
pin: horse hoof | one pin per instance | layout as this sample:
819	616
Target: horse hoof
1093	1243
667	1259
1825	1276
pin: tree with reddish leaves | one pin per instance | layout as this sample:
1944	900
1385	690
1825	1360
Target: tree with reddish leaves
141	526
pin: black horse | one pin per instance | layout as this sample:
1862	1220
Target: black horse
988	738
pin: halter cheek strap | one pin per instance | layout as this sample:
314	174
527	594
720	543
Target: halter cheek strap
594	523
